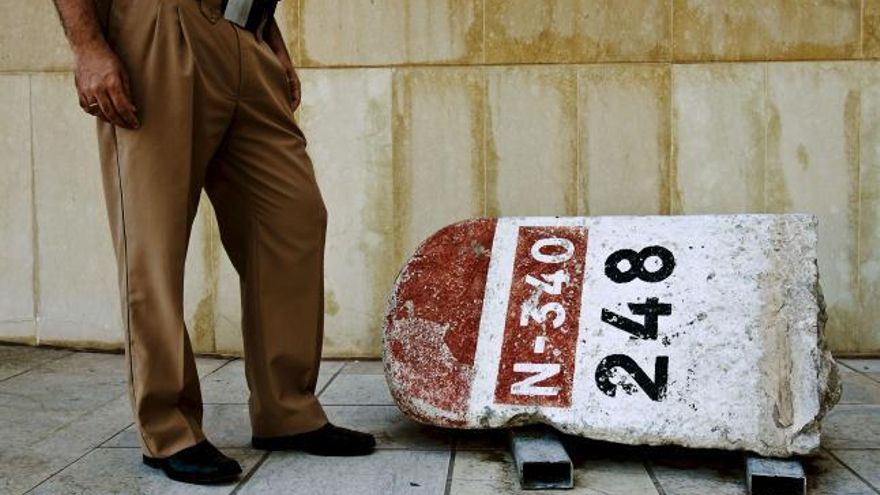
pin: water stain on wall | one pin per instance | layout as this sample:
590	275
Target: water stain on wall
331	305
778	198
203	321
378	220
531	122
766	29
432	91
624	132
871	29
391	32
574	31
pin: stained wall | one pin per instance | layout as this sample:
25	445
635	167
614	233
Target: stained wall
423	112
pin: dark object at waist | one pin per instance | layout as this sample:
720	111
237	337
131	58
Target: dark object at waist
260	13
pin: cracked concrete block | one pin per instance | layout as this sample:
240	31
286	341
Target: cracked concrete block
699	331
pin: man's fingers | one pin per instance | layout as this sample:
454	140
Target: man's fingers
89	104
108	111
122	104
83	102
295	92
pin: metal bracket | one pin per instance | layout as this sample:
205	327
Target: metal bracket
541	461
775	476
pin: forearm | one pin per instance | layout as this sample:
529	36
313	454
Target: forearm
275	40
80	21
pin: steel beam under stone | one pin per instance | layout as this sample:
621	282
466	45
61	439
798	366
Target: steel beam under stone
775	476
541	460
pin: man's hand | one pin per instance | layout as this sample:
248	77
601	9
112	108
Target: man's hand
292	78
101	80
276	43
103	86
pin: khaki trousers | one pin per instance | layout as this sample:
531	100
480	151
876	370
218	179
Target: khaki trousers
216	115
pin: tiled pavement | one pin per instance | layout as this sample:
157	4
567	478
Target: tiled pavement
65	428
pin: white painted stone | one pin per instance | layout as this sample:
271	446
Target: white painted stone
747	364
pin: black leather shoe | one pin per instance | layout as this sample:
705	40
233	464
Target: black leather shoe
328	440
201	464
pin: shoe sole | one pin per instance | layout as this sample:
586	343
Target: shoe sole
191	479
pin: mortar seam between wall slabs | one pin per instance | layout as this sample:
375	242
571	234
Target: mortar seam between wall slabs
858	217
35	240
765	169
428	65
862	29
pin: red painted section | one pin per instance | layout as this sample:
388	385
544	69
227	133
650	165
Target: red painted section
541	330
433	321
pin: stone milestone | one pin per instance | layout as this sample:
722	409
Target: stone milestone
699	331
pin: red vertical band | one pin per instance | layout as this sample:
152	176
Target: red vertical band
541	329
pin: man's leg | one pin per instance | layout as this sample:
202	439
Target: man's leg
152	180
273	223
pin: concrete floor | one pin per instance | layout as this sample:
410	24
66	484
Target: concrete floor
65	428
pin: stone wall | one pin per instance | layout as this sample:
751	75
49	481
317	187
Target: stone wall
422	112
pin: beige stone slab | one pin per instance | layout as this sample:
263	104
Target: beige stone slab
73	385
867	366
119	471
439	163
201	280
361	390
480	472
532	142
15	359
227	319
852	426
868	340
397	472
363	368
719	121
365	32
812	167
866	463
228	385
78	294
826	475
871	29
392	429
19	332
347	117
566	31
624	140
16	209
766	29
287	18
859	389
25	465
32	38
225	425
692	473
